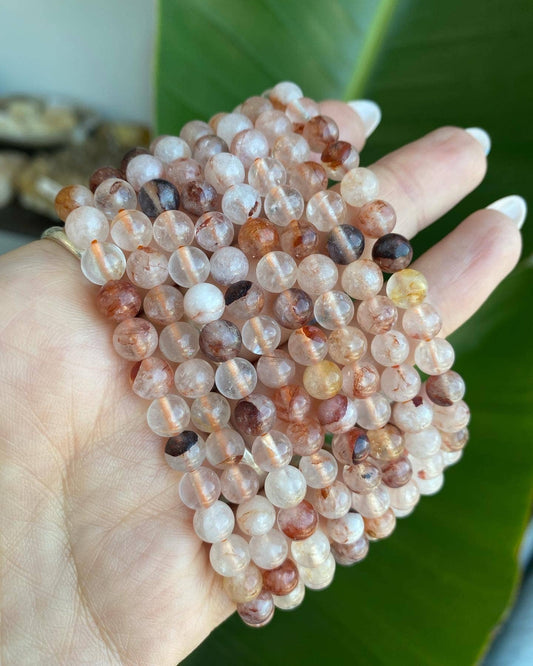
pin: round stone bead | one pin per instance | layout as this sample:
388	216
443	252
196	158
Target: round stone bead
210	412
151	378
118	300
114	195
198	197
362	478
311	552
392	253
131	228
188	266
276	271
359	186
256	516
400	383
345	244
427	468
249	145
224	170
239	483
360	379
199	488
337	414
258	237
285	487
307	437
282	580
179	341
228	264
194	378
434	357
308	345
224	448
407	288
429	486
193	130
98	176
129	155
135	339
157	196
265	173
240	203
102	262
236	378
254	415
385	443
332	502
318	578
203	303
173	229
404	499
373	412
269	550
293	308
272	450
283	204
390	348
207	146
372	504
338	158
185	452
453	418
351	447
220	340
163	305
183	171
261	334
230	556
320	131
214	523
231	124
397	473
347	344
456	441
147	267
168	415
284	93
275	370
333	309
290	149
322	380
317	274
422	322
85	224
244	299
298	522
376	218
259	611
213	230
292	403
445	389
350	553
362	279
377	314
254	106
169	148
143	168
426	442
346	529
380	527
451	457
302	109
413	415
326	210
71	197
319	469
299	239
308	178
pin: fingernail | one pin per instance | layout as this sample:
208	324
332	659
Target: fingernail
514	206
481	137
369	112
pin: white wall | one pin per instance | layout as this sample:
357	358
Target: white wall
97	51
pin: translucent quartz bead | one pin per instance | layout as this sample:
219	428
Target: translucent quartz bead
404	499
172	229
199	488
392	253
373	412
397	473
151	378
185	452
193	130
307	437
434	357
333	309
311	552
261	334
317	274
339	157
213	230
407	287
259	611
258	237
346	529
198	197
337	414
207	146
135	339
276	271
362	478
299	239
372	504
130	228
147	267
183	171
235	378
194	378
326	210
114	195
283	204
273	124
275	370
230	556
308	178
319	132
360	379
376	218
156	196
163	305
390	348
254	415
322	380
240	203
168	415
272	450
445	389
413	415
269	550
224	170
283	93
430	486
256	516
333	501
143	168
345	244
292	403
285	487
224	447
203	302
244	586
385	443
214	523
350	553
290	149
130	154
168	148
400	383
377	314
453	418
85	224
381	527
347	344
351	447
428	468
118	300
422	322
249	145
179	341
228	265
188	266
254	106
220	340
318	578
455	441
359	186
71	197
302	109
424	443
298	522
239	483
102	262
308	345
362	279
282	580
210	412
231	124
97	177
265	173
319	469
451	457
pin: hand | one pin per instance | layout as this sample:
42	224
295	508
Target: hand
100	562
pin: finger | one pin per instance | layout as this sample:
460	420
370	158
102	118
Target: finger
469	263
356	120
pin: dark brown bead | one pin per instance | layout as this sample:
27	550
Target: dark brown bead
332	410
293	308
336	153
103	173
244	299
397	472
258	237
139	150
180	444
345	244
392	253
254	415
292	403
298	522
157	196
320	131
376	218
197	197
220	340
445	389
118	300
299	239
308	178
282	579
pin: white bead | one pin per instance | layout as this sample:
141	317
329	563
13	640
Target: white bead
430	486
424	443
261	334
102	262
372	504
347	529
400	383
85	224
231	124
413	415
405	498
434	357
359	186
168	415
311	552
373	412
390	348
214	523
276	271
291	600
131	228
203	303
285	487
236	378
256	516
228	265
230	556
241	202
194	378
170	148
317	578
188	266
269	550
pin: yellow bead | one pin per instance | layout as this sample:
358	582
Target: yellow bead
407	287
322	380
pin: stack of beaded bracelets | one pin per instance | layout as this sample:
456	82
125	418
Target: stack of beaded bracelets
283	383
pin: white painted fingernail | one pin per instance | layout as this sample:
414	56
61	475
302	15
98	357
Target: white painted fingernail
481	137
369	112
514	206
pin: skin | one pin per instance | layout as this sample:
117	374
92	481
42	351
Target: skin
100	563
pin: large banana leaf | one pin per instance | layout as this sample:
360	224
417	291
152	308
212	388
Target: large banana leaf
434	592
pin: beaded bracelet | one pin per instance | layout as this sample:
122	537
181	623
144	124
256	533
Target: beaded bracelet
274	366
